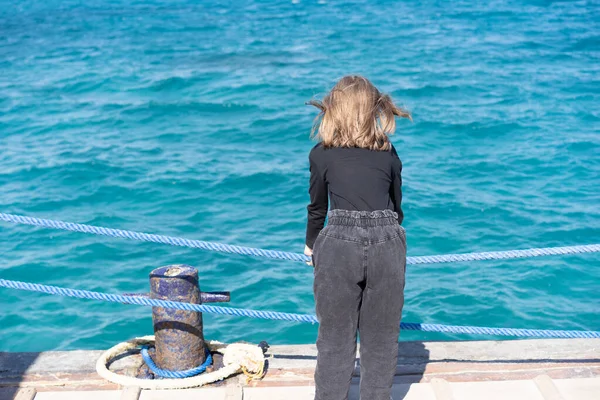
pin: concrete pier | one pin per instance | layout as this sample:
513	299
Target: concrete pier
567	369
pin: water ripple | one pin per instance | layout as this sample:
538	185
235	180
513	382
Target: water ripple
188	119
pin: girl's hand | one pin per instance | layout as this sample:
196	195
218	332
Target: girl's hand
308	252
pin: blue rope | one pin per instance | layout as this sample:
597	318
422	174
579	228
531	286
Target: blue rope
165	373
283	255
273	315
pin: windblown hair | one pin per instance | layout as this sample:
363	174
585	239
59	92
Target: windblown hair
356	114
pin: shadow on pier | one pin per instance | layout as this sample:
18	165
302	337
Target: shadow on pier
413	358
13	367
294	365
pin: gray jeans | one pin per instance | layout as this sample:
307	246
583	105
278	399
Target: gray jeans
360	262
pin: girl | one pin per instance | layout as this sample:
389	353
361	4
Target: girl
360	256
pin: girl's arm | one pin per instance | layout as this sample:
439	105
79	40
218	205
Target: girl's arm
317	209
396	188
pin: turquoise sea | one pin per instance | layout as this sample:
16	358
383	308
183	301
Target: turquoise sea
187	118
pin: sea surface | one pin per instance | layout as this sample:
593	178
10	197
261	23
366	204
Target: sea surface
187	118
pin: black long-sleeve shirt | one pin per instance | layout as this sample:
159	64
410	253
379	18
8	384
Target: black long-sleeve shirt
352	179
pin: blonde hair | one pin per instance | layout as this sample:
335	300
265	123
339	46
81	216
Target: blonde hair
356	114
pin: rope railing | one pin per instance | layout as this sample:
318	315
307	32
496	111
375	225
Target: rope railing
274	315
284	255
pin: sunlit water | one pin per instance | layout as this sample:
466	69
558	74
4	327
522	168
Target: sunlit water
188	119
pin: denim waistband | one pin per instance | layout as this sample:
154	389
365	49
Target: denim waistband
362	218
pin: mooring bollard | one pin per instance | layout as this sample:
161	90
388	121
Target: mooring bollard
179	338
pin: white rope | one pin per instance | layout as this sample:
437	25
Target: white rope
237	357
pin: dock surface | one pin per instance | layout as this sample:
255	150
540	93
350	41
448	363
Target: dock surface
567	369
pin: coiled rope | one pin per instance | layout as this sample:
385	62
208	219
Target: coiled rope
165	373
284	255
273	315
237	357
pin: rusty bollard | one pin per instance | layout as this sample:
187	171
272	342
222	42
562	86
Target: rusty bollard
179	339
